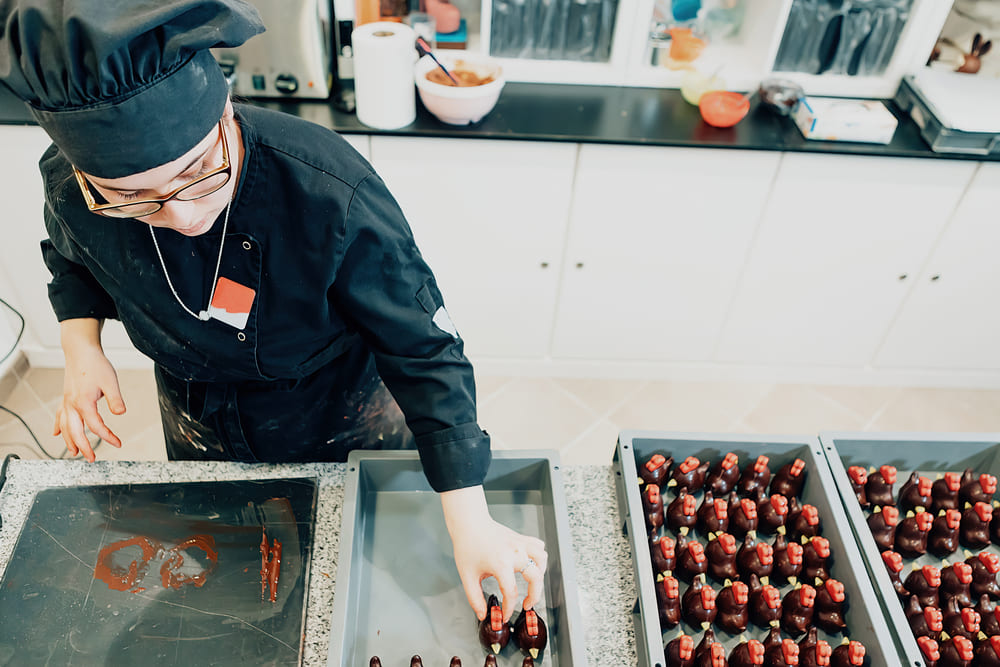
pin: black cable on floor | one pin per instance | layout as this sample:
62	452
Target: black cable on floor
39	444
19	333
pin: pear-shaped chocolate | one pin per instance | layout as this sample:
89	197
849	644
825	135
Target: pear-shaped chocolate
494	633
530	633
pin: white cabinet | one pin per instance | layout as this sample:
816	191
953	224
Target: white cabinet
826	273
490	219
657	239
952	317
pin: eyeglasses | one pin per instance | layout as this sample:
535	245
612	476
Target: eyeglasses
200	187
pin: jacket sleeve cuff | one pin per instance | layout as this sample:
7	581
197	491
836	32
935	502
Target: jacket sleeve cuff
456	457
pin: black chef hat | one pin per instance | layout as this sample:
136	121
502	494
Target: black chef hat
121	86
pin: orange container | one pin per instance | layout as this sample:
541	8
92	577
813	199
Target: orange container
721	108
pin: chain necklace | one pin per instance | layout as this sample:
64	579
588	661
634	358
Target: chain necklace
204	314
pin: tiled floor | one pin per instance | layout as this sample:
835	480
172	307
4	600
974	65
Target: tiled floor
579	417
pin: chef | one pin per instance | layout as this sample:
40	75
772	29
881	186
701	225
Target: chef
255	257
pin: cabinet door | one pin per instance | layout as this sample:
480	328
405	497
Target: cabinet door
656	243
839	244
490	219
952	319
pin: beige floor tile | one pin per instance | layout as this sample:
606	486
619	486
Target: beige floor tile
940	410
145	446
865	402
534	413
601	396
488	385
142	405
689	406
47	382
801	409
595	447
26	452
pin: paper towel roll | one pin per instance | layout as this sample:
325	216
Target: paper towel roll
384	54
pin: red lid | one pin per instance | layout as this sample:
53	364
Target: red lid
760	465
707	597
756	652
697	552
984	511
893	560
652	494
797	467
953	480
811	514
765	554
888	474
823	653
890	515
728	543
932	575
988	483
929	647
671	588
790	652
749	508
741	592
856	653
990	560
954	518
963	646
686	647
971	619
858	474
963	571
822	546
667	547
934	619
925	521
794	552
655	461
995	643
780	504
807	596
689	464
835	589
772	598
924	486
729	461
721	509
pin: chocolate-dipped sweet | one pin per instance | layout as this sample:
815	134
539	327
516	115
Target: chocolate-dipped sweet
527	662
810	639
747	654
491	660
691	561
494	633
713	515
926	621
943	538
911	535
956	652
930	650
656	469
652	506
784	654
816	558
668	602
803	521
858	477
415	661
974	529
995	524
797	610
663	553
742	516
882	523
894	566
989	615
721	554
960	622
679	651
915	493
787	562
851	654
755	558
530	634
772	513
955	582
690	474
830	606
790	479
944	492
879	488
709	652
724	475
815	655
455	661
772	639
375	662
682	512
985	566
976	489
765	603
698	606
924	583
987	653
755	478
733	603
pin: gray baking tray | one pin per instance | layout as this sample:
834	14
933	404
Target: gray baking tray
398	592
865	620
930	454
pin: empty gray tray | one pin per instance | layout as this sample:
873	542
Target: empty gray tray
398	592
864	617
929	454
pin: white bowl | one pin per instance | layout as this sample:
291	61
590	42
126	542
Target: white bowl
459	105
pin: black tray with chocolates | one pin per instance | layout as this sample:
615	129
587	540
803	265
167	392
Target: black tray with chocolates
743	554
926	514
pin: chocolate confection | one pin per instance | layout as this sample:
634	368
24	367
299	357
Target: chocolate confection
709	652
848	655
787	562
721	555
772	639
927	622
955	652
943	538
944	492
530	634
789	480
690	474
984	575
915	493
817	655
929	648
491	661
803	521
911	535
976	489
374	662
682	512
771	514
652	505
974	529
816	559
698	606
691	561
784	654
882	524
879	487
955	582
810	640
765	603
733	603
455	661
924	583
858	477
655	469
830	606
713	515
755	478
663	553
415	661
494	633
995	524
527	662
668	598
723	476
747	654
755	558
797	609
989	615
894	565
987	654
960	622
742	516
679	651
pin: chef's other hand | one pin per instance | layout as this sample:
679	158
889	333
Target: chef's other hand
485	548
89	377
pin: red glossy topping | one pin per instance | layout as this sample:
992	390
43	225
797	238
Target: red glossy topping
835	589
858	475
728	543
671	588
893	560
653	494
953	480
686	647
971	619
984	511
811	514
718	653
807	596
496	619
765	554
822	546
963	646
924	486
780	504
790	651
531	621
772	598
934	619
689	506
925	520
963	571
953	518
667	547
655	461
697	552
749	508
756	652
729	461
890	515
888	474
856	653
797	467
794	552
760	465
929	648
823	653
991	561
932	575
741	592
721	509
690	463
988	483
707	597
995	643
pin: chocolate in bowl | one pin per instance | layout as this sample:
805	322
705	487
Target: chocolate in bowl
466	78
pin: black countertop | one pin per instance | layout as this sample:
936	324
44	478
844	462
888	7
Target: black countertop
597	114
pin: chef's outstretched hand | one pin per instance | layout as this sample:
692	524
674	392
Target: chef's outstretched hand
485	548
89	377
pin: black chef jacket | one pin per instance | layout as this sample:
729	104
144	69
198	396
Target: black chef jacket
314	232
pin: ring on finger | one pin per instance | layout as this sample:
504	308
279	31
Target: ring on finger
531	562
